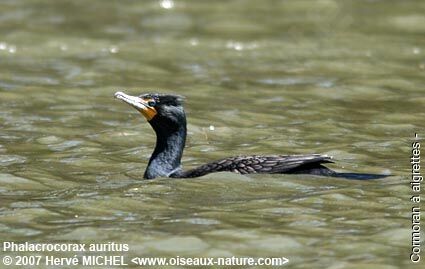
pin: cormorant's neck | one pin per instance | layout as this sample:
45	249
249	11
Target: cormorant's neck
170	142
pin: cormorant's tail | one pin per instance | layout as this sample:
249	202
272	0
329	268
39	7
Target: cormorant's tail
320	170
358	176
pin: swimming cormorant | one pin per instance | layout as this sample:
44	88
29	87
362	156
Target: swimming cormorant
166	115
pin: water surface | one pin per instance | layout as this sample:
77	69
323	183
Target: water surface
343	78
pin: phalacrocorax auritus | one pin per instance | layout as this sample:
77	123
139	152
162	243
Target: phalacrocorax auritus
166	115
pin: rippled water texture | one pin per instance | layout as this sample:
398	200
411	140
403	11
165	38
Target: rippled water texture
344	78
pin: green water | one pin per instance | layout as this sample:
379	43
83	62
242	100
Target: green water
344	78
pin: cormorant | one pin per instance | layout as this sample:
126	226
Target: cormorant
166	115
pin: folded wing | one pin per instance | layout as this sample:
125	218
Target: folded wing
262	164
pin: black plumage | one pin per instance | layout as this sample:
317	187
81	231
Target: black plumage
166	115
263	164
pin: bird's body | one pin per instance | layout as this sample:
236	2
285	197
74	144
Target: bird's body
166	115
272	164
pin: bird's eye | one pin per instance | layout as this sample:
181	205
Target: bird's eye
151	103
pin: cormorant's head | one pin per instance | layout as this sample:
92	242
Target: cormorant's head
154	105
